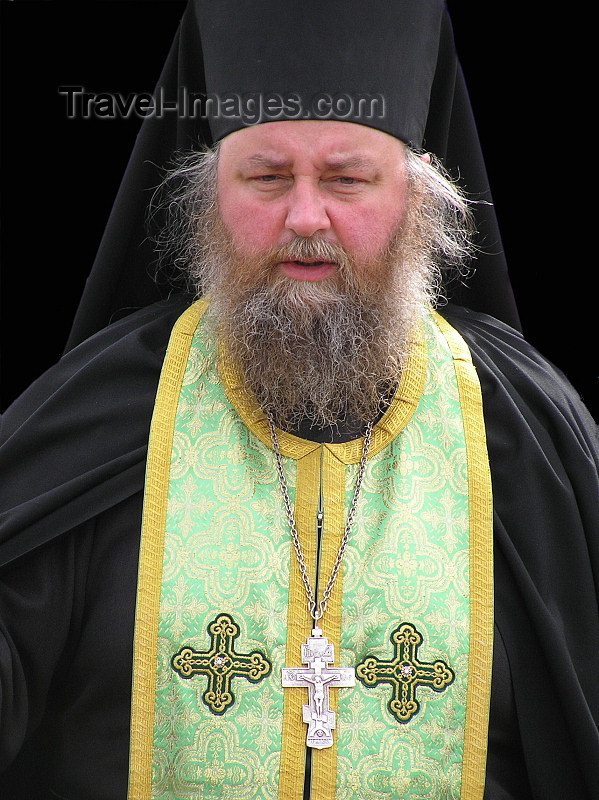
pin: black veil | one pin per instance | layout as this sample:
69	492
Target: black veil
240	48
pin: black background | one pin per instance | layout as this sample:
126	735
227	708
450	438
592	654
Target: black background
60	175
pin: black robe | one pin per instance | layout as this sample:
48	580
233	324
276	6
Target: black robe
72	462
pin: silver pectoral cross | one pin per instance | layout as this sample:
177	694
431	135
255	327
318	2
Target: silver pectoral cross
317	653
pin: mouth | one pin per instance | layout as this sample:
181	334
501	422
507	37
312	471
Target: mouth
311	263
308	270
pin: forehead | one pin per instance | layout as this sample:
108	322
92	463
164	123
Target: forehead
320	142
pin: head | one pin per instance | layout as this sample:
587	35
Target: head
321	244
290	58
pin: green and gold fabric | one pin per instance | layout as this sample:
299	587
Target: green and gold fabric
221	607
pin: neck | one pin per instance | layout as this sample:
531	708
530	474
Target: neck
343	431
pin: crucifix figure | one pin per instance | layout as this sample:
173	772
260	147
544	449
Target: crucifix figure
318	676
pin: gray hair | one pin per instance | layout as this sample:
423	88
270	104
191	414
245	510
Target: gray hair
181	206
444	208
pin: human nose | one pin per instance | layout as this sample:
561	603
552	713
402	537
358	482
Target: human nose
306	213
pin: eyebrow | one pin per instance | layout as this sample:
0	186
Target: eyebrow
270	162
340	162
349	162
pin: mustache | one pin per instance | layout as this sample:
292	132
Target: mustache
308	250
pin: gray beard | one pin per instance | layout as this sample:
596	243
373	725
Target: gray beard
330	352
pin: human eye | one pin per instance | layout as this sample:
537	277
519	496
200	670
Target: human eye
269	181
345	183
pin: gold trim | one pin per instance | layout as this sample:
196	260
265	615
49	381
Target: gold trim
299	625
151	552
396	417
324	762
318	470
481	567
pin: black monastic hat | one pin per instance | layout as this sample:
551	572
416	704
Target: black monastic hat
389	64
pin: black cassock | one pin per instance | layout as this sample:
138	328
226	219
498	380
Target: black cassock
72	462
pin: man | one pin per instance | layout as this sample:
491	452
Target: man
311	597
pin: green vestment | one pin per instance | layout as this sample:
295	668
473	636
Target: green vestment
221	607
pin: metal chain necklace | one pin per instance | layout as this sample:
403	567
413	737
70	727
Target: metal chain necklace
317	653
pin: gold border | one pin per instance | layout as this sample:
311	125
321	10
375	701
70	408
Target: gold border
480	506
151	552
299	625
324	762
394	419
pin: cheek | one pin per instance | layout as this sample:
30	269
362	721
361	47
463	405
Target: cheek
366	228
251	225
368	233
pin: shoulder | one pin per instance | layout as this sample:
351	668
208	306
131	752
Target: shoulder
515	376
128	351
75	442
542	442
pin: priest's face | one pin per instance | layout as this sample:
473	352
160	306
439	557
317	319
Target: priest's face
313	265
335	182
321	245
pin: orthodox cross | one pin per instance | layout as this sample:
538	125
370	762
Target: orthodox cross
221	664
318	676
405	673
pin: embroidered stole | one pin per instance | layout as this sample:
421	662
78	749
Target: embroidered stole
221	608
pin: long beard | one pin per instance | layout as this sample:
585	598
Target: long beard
327	352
